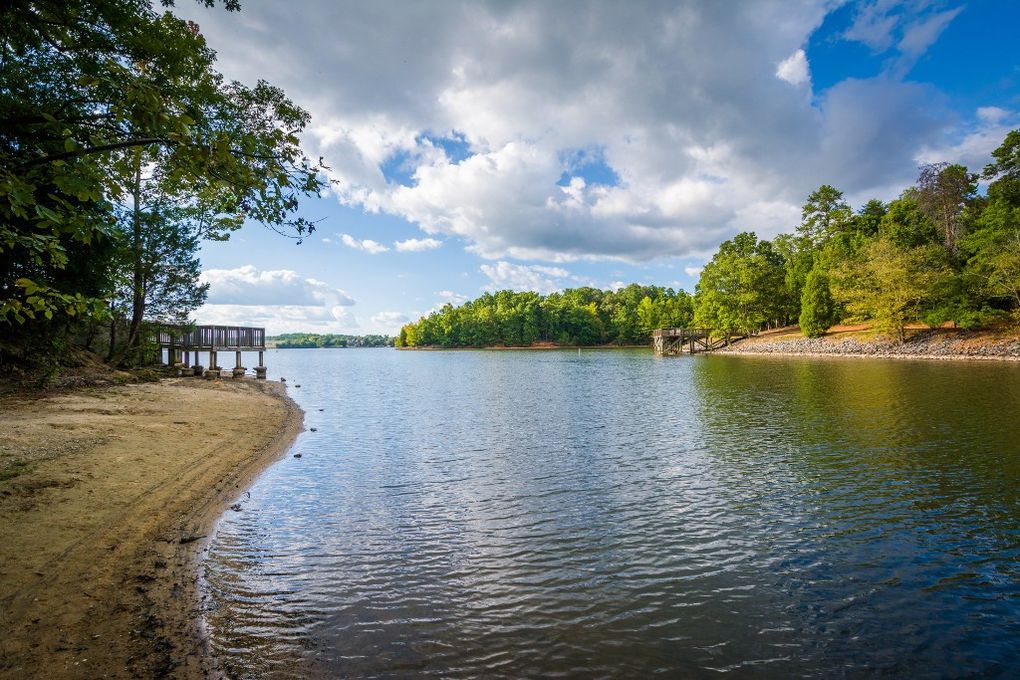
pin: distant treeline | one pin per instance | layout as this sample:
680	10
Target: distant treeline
942	252
578	316
310	340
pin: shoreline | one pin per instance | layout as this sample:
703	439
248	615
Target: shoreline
923	344
862	355
529	348
108	497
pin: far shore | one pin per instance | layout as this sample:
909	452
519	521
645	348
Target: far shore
538	346
857	341
107	498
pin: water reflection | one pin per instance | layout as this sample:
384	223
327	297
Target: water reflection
522	514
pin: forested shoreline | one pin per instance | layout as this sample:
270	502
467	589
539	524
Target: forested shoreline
326	340
577	316
941	253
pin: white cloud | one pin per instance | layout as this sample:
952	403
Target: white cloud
874	24
911	26
920	35
451	297
975	149
992	114
278	319
794	69
392	321
414	245
703	141
368	245
250	286
279	300
693	271
541	279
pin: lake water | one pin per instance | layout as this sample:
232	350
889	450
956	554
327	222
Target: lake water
614	514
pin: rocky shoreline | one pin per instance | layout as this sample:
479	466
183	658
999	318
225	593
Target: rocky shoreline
926	344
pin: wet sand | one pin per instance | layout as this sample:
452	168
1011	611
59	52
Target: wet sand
107	497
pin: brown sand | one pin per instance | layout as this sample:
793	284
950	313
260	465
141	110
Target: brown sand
108	496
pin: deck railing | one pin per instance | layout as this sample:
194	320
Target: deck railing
212	337
692	340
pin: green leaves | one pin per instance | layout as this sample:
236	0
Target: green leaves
579	316
742	288
817	309
44	301
88	89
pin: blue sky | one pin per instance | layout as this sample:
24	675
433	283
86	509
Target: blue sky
540	145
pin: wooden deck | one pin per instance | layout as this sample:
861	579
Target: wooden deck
181	342
673	341
205	338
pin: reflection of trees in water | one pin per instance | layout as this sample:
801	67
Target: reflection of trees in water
880	415
890	488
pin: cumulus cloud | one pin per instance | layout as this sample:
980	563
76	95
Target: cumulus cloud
451	297
250	286
390	320
990	127
541	279
280	300
414	245
479	134
693	271
278	319
794	69
368	245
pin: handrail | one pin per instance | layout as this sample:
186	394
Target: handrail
212	337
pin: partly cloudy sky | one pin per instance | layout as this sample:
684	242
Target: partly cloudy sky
542	145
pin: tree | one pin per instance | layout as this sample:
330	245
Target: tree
869	218
798	255
1005	170
906	225
742	288
85	88
159	267
890	284
825	214
942	192
577	316
817	309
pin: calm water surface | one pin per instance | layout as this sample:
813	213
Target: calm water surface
544	514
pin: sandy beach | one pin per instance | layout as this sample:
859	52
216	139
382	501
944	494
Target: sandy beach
107	497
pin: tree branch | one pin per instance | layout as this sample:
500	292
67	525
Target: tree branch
94	150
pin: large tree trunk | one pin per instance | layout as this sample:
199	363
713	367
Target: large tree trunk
112	349
137	257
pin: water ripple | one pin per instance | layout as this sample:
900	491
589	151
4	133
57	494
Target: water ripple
470	514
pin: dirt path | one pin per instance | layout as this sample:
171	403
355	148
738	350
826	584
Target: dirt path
106	496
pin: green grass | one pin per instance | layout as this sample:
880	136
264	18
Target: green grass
15	468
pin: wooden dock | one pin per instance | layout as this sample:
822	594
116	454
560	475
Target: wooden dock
180	342
673	341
